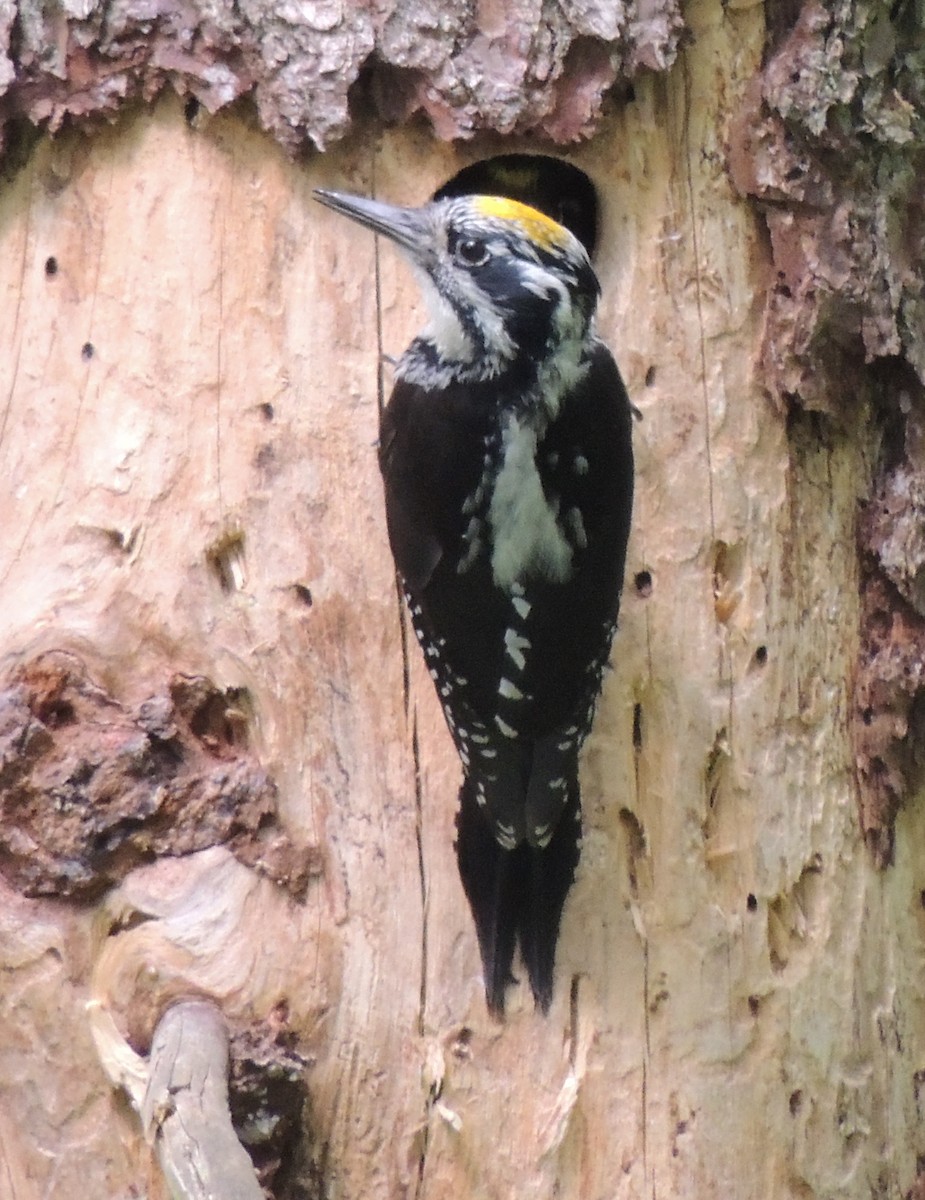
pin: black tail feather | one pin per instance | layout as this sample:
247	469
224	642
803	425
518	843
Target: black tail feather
551	871
493	880
516	895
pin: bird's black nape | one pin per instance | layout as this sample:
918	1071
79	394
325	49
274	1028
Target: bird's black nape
516	897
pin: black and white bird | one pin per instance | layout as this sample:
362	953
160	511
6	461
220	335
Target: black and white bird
506	454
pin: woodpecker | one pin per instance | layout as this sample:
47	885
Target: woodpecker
506	456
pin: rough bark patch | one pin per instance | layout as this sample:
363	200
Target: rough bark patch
830	145
88	789
830	142
890	685
512	68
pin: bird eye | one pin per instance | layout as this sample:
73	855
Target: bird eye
472	251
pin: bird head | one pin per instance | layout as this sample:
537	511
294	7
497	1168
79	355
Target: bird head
504	283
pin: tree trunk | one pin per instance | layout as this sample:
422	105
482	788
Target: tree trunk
223	773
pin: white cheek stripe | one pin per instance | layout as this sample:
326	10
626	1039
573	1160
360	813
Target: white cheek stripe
444	329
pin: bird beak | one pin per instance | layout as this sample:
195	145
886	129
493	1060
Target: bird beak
408	227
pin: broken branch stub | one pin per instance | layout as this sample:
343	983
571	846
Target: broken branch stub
185	1111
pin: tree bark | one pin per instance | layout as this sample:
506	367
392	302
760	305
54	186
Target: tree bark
223	772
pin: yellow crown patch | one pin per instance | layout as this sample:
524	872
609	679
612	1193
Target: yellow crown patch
542	230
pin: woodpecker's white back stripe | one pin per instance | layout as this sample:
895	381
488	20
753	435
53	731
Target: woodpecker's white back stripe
527	540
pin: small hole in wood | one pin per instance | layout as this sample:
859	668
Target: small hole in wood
573	1004
635	846
303	594
191	110
222	718
643	584
650	376
51	266
226	559
761	656
267	411
461	1045
752	902
796	1102
867	716
87	351
57	713
754	1004
637	727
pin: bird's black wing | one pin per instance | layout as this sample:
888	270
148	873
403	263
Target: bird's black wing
432	457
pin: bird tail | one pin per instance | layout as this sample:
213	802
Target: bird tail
551	872
516	896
